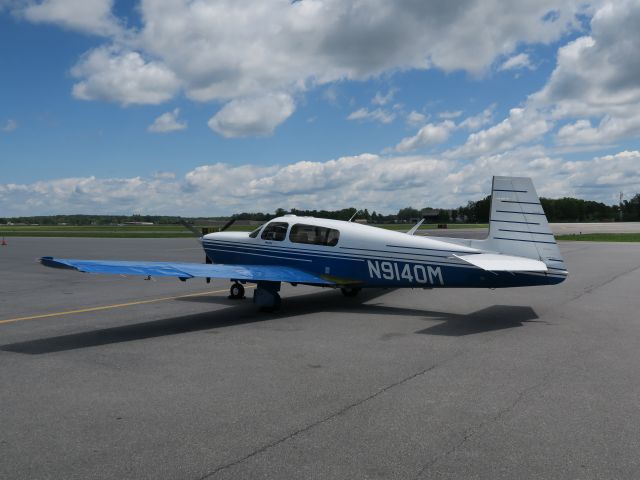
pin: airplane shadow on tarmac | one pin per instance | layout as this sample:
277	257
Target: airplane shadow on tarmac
496	317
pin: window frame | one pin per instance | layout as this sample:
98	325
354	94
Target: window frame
255	233
279	224
324	243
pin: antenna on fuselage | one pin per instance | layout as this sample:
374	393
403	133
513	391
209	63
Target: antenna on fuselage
415	227
354	215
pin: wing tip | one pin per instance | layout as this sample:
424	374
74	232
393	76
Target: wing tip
53	263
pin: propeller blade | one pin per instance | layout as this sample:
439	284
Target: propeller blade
227	225
191	228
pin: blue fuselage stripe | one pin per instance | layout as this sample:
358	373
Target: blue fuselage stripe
406	253
320	256
333	253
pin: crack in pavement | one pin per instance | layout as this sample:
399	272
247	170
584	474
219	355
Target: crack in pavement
473	431
340	412
592	288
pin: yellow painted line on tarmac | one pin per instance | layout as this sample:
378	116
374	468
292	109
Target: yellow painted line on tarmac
109	307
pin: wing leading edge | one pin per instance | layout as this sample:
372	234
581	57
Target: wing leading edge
251	273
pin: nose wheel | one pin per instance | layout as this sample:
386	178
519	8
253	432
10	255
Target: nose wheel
236	292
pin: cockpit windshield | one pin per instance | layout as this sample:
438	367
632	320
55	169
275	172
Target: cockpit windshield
255	233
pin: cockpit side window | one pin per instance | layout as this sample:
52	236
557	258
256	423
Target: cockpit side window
275	231
314	235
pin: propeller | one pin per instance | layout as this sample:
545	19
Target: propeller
228	224
199	234
191	228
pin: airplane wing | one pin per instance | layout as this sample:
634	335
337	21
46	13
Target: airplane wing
503	263
184	271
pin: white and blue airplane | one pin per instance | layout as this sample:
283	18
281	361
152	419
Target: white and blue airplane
519	251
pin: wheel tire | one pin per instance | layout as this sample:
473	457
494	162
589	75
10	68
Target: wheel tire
351	291
237	291
272	308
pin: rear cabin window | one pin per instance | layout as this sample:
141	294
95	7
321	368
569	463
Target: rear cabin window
313	235
275	231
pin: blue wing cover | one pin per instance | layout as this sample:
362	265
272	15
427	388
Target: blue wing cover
252	273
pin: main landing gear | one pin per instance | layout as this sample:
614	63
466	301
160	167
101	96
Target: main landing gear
266	296
350	291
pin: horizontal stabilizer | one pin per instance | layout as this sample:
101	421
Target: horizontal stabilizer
493	262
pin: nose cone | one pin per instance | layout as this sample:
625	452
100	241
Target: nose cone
226	236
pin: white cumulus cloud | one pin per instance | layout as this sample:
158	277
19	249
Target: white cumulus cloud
230	51
450	114
474	122
167	122
430	134
416	118
257	116
382	99
90	16
596	80
124	77
522	126
377	115
517	62
378	182
608	173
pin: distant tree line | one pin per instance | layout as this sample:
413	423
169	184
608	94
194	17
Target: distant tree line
558	210
91	219
565	209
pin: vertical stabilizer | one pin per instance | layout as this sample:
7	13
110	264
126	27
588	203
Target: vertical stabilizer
518	225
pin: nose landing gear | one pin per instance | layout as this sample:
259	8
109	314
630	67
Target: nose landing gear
236	292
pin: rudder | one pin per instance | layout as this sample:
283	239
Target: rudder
518	225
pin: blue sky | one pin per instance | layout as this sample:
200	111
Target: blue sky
207	108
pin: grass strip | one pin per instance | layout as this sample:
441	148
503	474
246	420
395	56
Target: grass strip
601	237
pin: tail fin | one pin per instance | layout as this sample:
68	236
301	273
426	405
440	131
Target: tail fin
518	225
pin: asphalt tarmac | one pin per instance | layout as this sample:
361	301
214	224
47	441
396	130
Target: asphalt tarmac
111	377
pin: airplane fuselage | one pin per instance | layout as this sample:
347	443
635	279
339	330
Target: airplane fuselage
365	256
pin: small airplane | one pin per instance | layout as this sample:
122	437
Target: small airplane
520	250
